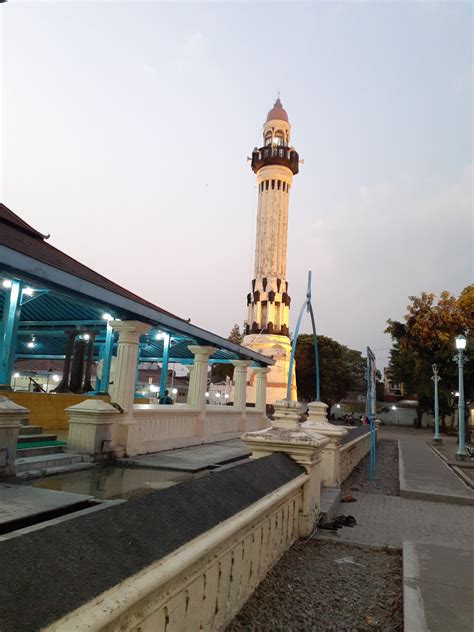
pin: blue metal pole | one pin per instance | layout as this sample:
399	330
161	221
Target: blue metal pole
461	453
8	334
164	363
293	349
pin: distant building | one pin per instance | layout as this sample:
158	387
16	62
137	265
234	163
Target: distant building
392	390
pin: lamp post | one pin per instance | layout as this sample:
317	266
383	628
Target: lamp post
436	379
394	408
460	346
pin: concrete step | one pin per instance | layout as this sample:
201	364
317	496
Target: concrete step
37	437
39	451
31	430
58	469
45	462
329	504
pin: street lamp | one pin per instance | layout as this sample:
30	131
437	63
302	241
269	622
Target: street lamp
436	379
460	346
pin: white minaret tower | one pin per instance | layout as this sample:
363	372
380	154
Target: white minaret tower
267	332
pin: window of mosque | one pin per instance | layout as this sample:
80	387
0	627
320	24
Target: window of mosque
268	138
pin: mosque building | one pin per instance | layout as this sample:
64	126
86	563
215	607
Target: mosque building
267	329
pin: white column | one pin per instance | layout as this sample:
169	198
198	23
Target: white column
198	377
240	383
122	390
261	388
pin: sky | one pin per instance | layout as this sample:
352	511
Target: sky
125	131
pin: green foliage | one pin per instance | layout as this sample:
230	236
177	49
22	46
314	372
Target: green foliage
236	335
219	372
341	369
428	337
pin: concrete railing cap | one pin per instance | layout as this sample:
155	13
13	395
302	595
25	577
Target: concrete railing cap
92	406
8	406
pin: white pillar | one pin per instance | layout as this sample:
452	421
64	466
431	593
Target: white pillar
261	388
122	390
198	376
240	383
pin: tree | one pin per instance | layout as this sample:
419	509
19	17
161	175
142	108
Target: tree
219	372
426	338
236	335
341	369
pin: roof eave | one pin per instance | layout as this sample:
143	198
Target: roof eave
71	284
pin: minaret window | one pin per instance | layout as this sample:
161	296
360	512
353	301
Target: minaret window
279	139
268	138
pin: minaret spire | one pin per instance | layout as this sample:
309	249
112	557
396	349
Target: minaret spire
268	303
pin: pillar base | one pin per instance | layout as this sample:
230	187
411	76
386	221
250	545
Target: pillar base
11	418
437	441
306	450
461	456
92	429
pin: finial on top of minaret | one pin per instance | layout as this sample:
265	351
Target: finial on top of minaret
278	111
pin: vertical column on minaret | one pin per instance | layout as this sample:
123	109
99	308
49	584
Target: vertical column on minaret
240	383
261	388
198	377
122	391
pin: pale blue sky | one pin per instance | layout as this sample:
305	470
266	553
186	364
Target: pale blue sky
126	127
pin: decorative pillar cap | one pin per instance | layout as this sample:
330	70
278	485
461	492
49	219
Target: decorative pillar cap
241	363
261	369
287	414
97	406
132	326
198	350
317	421
303	447
8	407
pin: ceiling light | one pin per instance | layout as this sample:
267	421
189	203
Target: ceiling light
28	291
7	283
107	316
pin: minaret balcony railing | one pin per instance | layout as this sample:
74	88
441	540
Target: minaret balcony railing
275	155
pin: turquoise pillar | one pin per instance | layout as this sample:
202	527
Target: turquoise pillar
164	363
106	358
9	330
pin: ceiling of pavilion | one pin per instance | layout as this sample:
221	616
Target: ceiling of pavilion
47	316
65	294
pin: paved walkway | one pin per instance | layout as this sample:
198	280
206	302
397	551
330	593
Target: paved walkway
423	474
438	588
433	522
389	520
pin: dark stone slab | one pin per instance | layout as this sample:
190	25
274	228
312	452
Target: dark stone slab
354	433
49	572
